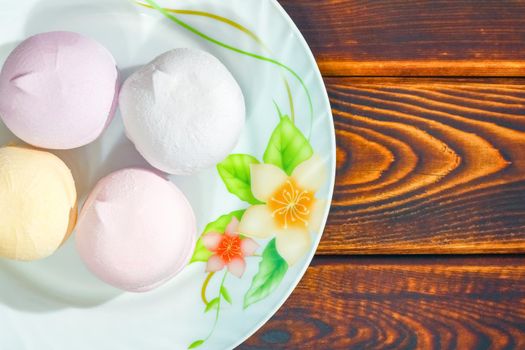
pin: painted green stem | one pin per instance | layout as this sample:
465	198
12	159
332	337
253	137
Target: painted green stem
278	110
195	31
218	307
290	102
204	286
217	18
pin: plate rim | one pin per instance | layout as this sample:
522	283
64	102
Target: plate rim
323	97
317	73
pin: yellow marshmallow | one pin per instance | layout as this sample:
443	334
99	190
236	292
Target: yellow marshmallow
38	203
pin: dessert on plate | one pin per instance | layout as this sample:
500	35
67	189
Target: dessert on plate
38	203
184	111
136	230
58	90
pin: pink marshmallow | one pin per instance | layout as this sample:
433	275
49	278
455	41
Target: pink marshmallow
136	230
58	90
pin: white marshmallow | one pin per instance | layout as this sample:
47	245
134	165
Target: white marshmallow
184	111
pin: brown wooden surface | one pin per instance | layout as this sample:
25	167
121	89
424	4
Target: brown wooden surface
402	303
413	37
426	165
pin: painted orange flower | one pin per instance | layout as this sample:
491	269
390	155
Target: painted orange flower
229	249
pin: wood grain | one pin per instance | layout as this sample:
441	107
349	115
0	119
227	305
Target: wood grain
402	303
428	166
413	37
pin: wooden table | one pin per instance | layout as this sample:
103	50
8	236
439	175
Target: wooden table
421	250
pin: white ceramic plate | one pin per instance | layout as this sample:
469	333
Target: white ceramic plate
56	303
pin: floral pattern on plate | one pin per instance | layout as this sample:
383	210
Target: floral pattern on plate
283	211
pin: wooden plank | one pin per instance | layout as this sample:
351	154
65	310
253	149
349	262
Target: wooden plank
428	166
402	303
414	37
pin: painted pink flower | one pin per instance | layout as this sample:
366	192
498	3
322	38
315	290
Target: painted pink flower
229	249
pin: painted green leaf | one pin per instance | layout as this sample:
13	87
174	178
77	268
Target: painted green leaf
235	173
219	225
200	253
196	344
287	147
214	303
226	295
272	269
